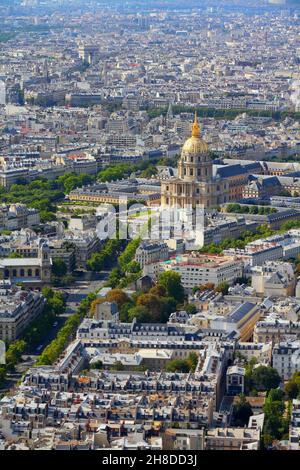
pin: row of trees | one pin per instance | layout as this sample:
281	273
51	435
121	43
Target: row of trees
262	231
241	209
52	352
222	113
105	258
128	270
222	287
55	306
34	333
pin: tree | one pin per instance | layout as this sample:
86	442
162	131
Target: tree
233	208
14	353
94	305
97	365
148	172
117	366
254	210
223	287
123	311
114	277
191	309
265	378
133	267
140	313
276	394
59	267
15	255
275	425
118	296
96	262
292	387
66	333
172	283
47	216
168	307
177	365
152	304
158	290
192	361
207	286
128	254
242	411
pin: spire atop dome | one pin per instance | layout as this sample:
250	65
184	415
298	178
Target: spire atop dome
196	127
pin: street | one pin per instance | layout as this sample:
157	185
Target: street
76	294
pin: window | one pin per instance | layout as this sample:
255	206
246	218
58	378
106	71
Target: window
29	272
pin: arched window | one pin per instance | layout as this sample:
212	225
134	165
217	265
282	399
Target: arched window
14	273
37	273
22	273
29	272
6	273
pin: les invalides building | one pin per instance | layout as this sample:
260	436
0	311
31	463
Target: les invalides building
195	185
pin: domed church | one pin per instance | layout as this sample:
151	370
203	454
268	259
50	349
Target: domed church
195	184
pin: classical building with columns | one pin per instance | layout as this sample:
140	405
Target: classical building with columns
195	184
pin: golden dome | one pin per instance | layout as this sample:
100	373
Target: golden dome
195	144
